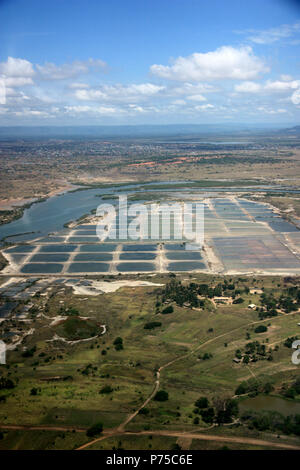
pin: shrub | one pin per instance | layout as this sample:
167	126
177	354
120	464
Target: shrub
289	341
208	415
118	343
241	389
168	309
106	389
240	300
151	325
202	402
94	430
161	396
29	352
261	329
6	383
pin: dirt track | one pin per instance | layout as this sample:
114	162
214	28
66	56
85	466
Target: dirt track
118	432
203	437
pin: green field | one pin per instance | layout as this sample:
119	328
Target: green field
68	378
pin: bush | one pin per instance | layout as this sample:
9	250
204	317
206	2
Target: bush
261	329
106	389
118	343
29	352
202	402
289	341
268	388
6	384
208	415
241	389
144	411
240	300
95	430
161	396
151	325
168	309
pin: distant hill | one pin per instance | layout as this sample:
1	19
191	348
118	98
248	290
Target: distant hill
130	131
291	130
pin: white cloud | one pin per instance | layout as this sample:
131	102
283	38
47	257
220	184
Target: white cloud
51	71
295	98
89	95
138	109
17	81
78	85
119	92
31	112
16	68
286	78
191	89
224	63
204	107
247	87
269	36
281	85
270	86
196	98
179	102
105	110
263	109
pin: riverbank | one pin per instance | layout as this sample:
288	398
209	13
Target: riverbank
13	209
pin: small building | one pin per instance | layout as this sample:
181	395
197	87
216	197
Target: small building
255	290
252	306
236	360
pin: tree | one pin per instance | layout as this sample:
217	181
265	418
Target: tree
246	359
161	395
241	389
289	341
208	415
268	388
118	343
226	410
202	402
95	430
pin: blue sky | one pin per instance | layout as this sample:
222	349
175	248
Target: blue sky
149	61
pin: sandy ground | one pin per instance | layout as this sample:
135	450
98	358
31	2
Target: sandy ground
101	287
12	203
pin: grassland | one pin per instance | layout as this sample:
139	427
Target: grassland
68	378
